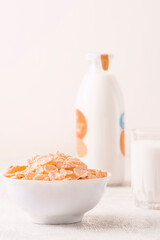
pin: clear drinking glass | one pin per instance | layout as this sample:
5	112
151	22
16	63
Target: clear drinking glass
145	167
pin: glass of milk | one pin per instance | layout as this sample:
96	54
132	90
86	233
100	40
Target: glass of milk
145	168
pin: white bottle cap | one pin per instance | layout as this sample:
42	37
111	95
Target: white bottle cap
105	59
93	56
97	56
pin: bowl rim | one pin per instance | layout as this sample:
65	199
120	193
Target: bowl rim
109	175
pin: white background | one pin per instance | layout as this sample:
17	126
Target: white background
42	60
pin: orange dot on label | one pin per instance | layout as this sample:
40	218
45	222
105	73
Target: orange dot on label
81	124
122	142
81	148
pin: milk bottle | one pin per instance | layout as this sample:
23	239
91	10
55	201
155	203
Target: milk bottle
100	119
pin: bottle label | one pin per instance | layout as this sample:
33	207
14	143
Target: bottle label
81	130
122	135
105	61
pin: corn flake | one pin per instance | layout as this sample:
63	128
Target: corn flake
54	167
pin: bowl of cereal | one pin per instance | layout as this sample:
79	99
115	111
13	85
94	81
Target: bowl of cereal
55	188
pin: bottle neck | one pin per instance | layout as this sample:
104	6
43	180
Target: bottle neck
97	66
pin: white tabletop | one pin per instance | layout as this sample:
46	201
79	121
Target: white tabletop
115	217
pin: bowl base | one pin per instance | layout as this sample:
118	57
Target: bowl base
57	219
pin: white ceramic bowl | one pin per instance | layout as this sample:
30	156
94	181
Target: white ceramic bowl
56	202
